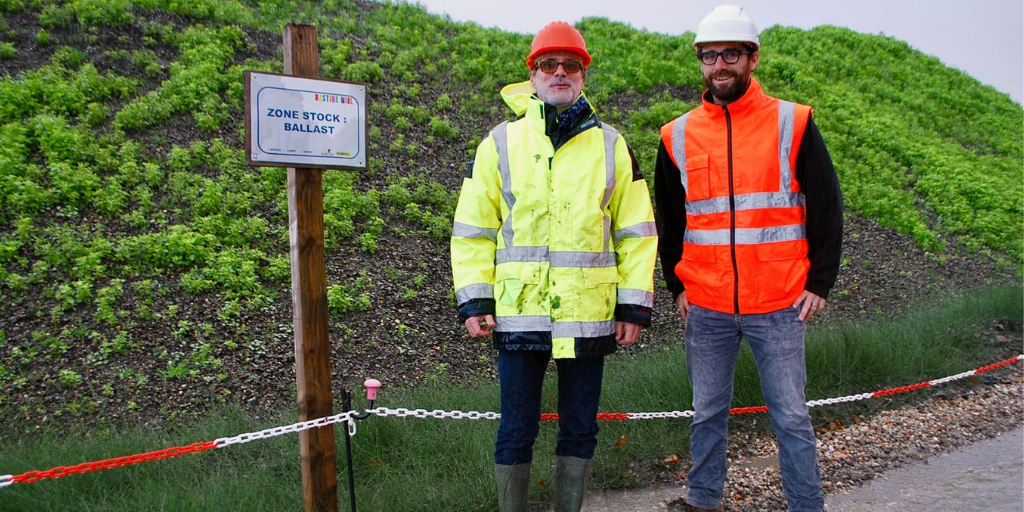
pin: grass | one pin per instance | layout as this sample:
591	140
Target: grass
122	167
444	464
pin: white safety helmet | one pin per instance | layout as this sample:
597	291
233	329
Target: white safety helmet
726	23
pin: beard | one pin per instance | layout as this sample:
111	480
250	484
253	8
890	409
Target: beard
728	93
560	98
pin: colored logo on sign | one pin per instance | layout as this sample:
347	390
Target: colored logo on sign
333	98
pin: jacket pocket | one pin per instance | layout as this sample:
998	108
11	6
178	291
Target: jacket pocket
782	251
597	298
698	177
699	253
599	276
511	278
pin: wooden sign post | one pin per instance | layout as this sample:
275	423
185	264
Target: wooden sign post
308	124
309	299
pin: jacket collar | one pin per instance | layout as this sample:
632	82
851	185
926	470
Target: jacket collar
518	97
751	100
522	99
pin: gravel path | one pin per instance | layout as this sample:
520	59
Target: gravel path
851	456
988	475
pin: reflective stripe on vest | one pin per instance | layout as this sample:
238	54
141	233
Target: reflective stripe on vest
746	236
631	296
467	231
784	198
557	329
474	291
637	231
500	134
610	136
679	149
575	259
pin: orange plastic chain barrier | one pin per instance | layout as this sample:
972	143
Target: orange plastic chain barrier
86	467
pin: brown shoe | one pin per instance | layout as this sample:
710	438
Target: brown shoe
690	508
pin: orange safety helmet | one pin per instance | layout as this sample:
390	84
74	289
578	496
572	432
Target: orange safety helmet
558	35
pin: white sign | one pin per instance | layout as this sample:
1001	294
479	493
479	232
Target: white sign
305	122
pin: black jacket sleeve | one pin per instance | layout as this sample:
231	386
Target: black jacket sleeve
475	307
820	186
670	217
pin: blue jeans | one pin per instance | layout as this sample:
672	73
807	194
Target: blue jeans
521	373
777	342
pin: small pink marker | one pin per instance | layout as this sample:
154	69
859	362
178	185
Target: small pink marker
371	386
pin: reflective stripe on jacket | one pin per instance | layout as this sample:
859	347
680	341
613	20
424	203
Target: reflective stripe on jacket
556	238
744	250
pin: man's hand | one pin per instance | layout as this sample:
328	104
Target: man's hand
809	305
480	325
683	305
627	333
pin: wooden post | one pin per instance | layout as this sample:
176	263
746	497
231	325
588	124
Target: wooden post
309	299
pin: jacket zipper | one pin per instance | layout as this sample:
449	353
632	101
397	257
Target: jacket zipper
732	216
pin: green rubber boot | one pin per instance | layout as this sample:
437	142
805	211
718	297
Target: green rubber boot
571	476
513	487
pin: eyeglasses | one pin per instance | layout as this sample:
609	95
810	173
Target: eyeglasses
549	66
730	56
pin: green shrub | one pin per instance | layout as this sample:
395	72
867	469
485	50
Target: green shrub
344	206
147	61
362	71
70	378
278	269
178	247
443	128
106	298
72	294
54	15
102	12
232	273
443	103
343	299
334	54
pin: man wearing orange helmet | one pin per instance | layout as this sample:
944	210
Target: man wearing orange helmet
553	252
750	216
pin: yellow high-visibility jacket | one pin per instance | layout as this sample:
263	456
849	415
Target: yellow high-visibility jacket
557	242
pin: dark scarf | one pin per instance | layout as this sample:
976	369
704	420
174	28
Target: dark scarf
562	127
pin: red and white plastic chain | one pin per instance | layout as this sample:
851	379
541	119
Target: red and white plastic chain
473	415
60	471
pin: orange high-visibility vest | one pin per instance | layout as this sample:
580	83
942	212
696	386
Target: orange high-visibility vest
744	250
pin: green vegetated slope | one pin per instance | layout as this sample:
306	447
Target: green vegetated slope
919	146
126	209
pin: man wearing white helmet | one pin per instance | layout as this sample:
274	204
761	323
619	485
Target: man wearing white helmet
553	253
750	223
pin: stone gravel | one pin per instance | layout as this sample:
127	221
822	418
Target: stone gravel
850	455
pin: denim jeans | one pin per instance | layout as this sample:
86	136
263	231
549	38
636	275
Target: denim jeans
521	373
777	342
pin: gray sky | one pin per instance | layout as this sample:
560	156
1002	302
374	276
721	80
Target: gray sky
984	38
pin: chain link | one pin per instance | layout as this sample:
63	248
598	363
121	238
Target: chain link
402	412
6	480
839	400
660	415
287	429
951	378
